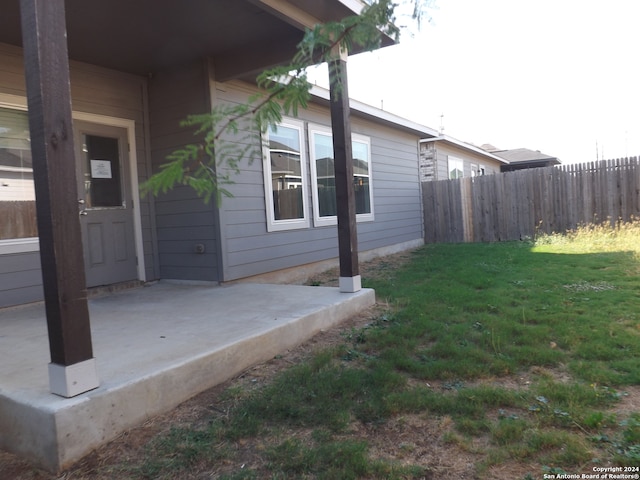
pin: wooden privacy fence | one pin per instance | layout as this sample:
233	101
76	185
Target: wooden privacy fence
18	220
520	204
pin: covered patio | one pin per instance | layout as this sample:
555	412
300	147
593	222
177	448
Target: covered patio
155	347
75	373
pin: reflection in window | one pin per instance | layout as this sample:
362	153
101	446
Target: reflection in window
17	192
324	176
455	167
361	177
285	176
102	182
286	173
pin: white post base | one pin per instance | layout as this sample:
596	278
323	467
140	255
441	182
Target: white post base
350	284
71	380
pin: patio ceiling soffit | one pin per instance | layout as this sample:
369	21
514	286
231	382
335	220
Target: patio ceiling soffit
242	37
248	61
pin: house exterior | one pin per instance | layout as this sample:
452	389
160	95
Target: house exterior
130	91
445	158
522	158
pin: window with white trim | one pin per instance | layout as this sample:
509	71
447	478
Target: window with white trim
477	170
456	167
323	177
285	176
17	191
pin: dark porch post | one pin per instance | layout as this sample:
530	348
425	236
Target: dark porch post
72	368
343	163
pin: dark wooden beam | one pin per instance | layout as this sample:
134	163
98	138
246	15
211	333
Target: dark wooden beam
343	161
49	101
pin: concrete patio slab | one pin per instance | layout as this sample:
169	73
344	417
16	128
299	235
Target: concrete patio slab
155	347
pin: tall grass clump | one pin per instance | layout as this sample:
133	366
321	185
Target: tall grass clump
594	238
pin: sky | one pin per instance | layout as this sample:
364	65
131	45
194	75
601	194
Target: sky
559	76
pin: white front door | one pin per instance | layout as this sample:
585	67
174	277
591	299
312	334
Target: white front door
106	216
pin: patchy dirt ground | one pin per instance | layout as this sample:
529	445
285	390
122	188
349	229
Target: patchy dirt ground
409	439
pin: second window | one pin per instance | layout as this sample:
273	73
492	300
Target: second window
323	178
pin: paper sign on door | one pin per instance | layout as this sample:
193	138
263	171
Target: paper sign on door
100	169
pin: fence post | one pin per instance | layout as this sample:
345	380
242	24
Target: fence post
467	223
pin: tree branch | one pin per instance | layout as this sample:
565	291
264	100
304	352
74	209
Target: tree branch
286	88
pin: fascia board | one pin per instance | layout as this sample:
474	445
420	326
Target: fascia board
466	146
381	116
355	6
288	12
298	17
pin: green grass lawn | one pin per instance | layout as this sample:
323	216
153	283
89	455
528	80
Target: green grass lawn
562	312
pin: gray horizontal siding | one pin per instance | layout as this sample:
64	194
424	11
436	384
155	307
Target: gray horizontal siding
11	70
274	261
282	252
390	216
294	240
21	296
183	220
190	232
180	260
178	206
396	190
248	249
247	217
20	278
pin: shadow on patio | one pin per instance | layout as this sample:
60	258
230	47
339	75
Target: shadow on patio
155	347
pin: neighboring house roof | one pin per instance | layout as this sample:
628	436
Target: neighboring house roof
466	146
489	148
522	156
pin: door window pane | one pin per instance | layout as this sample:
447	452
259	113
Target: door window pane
102	176
17	192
